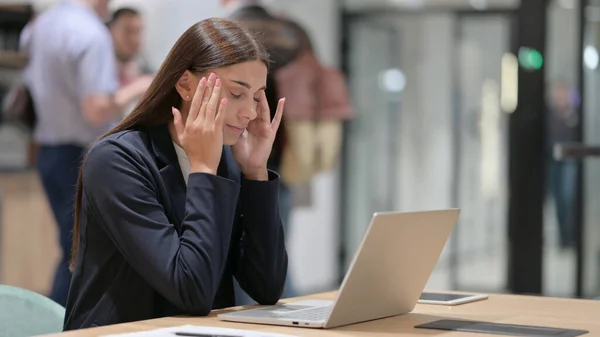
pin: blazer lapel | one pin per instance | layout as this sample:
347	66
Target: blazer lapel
170	171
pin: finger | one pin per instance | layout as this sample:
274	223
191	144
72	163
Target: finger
278	114
213	103
265	114
210	83
178	121
197	100
219	120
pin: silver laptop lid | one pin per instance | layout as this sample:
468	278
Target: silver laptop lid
392	265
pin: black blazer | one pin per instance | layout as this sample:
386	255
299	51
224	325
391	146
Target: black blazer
151	247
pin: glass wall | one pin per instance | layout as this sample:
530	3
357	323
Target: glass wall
430	134
562	102
565	116
483	41
434	92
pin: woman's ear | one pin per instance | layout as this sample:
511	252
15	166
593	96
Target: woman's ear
186	86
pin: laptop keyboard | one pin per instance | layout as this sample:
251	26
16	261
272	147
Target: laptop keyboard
312	314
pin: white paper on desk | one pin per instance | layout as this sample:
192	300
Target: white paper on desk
204	331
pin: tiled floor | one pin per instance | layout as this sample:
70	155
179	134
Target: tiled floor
13	148
28	241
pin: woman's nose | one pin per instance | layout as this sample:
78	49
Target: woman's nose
249	113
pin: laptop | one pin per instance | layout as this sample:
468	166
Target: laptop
386	277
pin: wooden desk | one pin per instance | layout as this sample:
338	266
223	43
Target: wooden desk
526	310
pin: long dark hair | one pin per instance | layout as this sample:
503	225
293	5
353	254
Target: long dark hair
209	44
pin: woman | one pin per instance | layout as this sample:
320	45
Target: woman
147	246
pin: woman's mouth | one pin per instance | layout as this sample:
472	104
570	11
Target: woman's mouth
236	128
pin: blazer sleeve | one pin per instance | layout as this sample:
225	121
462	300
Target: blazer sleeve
263	261
185	268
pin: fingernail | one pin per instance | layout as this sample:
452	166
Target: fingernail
224	101
173	111
203	81
212	77
218	83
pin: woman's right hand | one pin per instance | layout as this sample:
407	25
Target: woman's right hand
201	136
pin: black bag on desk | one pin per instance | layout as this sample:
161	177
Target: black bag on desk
18	107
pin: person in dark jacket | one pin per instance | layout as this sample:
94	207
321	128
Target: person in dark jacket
177	201
562	121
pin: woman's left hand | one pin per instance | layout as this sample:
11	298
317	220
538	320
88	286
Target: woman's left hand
253	149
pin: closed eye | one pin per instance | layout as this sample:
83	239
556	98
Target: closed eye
234	96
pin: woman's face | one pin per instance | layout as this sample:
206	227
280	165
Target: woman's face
242	85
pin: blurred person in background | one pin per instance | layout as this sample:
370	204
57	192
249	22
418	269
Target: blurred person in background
317	101
562	123
73	78
126	28
284	40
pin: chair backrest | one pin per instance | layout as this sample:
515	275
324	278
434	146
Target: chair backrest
24	313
